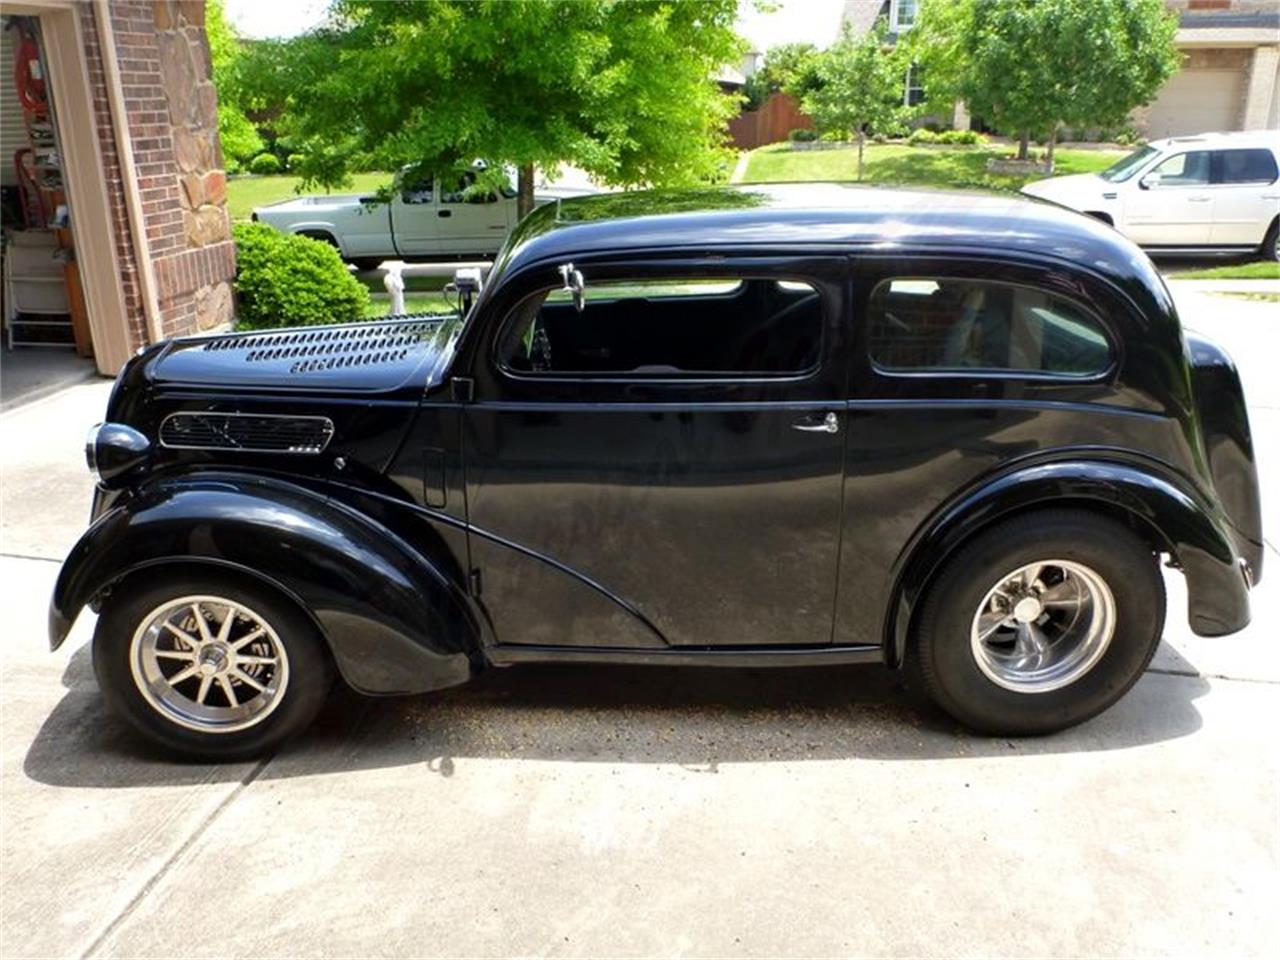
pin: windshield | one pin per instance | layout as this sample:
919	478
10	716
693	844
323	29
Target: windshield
1125	168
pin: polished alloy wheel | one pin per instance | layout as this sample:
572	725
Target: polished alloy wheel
209	664
1043	626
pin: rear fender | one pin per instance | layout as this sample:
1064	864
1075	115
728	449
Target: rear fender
396	619
1174	519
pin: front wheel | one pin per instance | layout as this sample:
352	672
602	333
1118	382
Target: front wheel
209	666
1040	623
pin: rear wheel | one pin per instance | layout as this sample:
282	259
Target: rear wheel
210	667
1271	243
1040	623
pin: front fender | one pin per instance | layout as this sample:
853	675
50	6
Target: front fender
394	618
1181	521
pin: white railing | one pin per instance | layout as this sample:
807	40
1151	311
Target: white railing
397	270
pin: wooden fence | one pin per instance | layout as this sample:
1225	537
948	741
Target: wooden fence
776	118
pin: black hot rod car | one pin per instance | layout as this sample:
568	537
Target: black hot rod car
766	426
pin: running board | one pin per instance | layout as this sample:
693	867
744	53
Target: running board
503	655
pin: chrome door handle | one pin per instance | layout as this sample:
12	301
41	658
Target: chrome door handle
829	424
1199	199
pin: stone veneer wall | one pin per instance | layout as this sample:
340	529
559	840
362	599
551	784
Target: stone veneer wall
171	109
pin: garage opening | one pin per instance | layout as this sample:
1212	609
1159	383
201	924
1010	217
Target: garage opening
47	341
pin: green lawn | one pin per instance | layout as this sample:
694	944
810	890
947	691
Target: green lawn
1261	270
413	303
245	193
895	163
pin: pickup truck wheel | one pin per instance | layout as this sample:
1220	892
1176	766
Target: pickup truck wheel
364	264
1040	623
210	667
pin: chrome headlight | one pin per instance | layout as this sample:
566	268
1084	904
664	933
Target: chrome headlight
113	449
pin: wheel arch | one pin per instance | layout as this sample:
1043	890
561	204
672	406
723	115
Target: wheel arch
1101	216
1160	512
394	619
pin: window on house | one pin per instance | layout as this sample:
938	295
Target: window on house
923	324
914	88
902	14
664	327
1247	166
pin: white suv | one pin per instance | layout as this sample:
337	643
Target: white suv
1217	192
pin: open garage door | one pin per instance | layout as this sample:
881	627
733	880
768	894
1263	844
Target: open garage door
1197	101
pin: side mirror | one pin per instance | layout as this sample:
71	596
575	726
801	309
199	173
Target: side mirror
1149	181
574	285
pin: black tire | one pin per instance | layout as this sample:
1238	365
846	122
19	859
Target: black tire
309	677
1102	217
365	264
1271	242
941	655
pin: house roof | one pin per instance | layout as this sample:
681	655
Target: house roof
861	14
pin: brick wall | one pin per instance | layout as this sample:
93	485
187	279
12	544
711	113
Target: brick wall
171	109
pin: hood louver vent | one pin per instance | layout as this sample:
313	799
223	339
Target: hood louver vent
245	432
332	348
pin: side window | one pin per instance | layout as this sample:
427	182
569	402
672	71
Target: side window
462	191
667	327
1183	169
418	192
1247	166
951	324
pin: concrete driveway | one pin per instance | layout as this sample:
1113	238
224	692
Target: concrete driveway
611	812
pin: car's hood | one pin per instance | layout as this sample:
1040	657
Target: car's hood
1070	191
372	356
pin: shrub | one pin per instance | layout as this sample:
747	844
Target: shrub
265	164
294	160
967	137
922	135
802	135
284	280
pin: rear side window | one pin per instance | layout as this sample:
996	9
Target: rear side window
948	324
1247	166
667	327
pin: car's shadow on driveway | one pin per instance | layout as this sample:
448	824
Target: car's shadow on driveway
698	718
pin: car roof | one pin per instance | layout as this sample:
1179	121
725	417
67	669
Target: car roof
835	216
1239	139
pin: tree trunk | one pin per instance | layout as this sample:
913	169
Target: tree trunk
524	190
862	139
1053	142
1023	139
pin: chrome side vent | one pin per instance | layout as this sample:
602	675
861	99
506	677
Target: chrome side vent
246	432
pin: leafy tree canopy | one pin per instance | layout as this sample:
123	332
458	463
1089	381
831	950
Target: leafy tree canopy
240	140
1031	65
624	90
859	86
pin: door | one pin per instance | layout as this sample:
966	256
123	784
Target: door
1246	195
1195	101
414	220
1172	204
472	221
663	467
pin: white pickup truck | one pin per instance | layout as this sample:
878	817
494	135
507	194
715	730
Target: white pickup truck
422	221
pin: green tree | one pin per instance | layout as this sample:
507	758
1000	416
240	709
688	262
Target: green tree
624	90
859	86
789	67
239	137
1030	66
